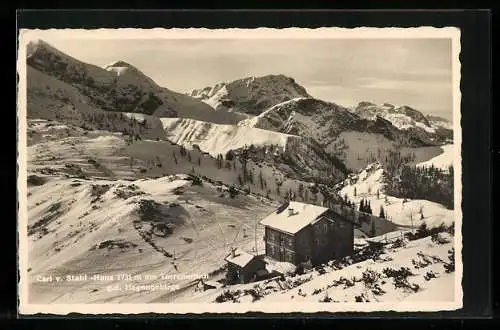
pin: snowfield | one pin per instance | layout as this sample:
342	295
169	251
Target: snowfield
219	139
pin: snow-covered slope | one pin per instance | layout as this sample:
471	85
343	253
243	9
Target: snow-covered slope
219	139
61	149
104	228
118	86
251	95
293	155
443	160
401	272
369	185
371	284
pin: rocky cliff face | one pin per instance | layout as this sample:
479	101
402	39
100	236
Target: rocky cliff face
251	95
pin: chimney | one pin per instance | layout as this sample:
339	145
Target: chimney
290	212
233	253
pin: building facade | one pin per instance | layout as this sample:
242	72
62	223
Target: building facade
307	233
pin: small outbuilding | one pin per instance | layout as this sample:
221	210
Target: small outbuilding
242	267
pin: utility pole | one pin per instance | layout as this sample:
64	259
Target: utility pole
255	238
411	219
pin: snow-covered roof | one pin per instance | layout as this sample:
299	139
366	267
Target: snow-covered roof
241	258
303	215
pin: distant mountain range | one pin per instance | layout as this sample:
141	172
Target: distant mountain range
64	87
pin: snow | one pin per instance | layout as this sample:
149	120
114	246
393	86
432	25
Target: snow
280	267
440	289
219	139
429	290
118	70
215	97
396	115
206	214
405	214
443	160
66	248
303	215
240	258
312	287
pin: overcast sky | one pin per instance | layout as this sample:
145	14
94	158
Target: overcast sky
414	72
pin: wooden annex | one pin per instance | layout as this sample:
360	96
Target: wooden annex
242	267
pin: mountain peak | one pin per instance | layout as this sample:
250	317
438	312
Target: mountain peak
41	45
251	95
118	64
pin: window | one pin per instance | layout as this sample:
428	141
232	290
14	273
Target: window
320	241
271	250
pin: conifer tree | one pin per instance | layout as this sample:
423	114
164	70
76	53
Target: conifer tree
382	213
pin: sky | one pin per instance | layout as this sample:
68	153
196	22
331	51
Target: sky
414	72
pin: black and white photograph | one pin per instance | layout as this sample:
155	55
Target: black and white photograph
233	170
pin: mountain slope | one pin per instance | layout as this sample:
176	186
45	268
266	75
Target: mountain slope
298	157
251	95
409	119
353	139
219	139
53	99
119	86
